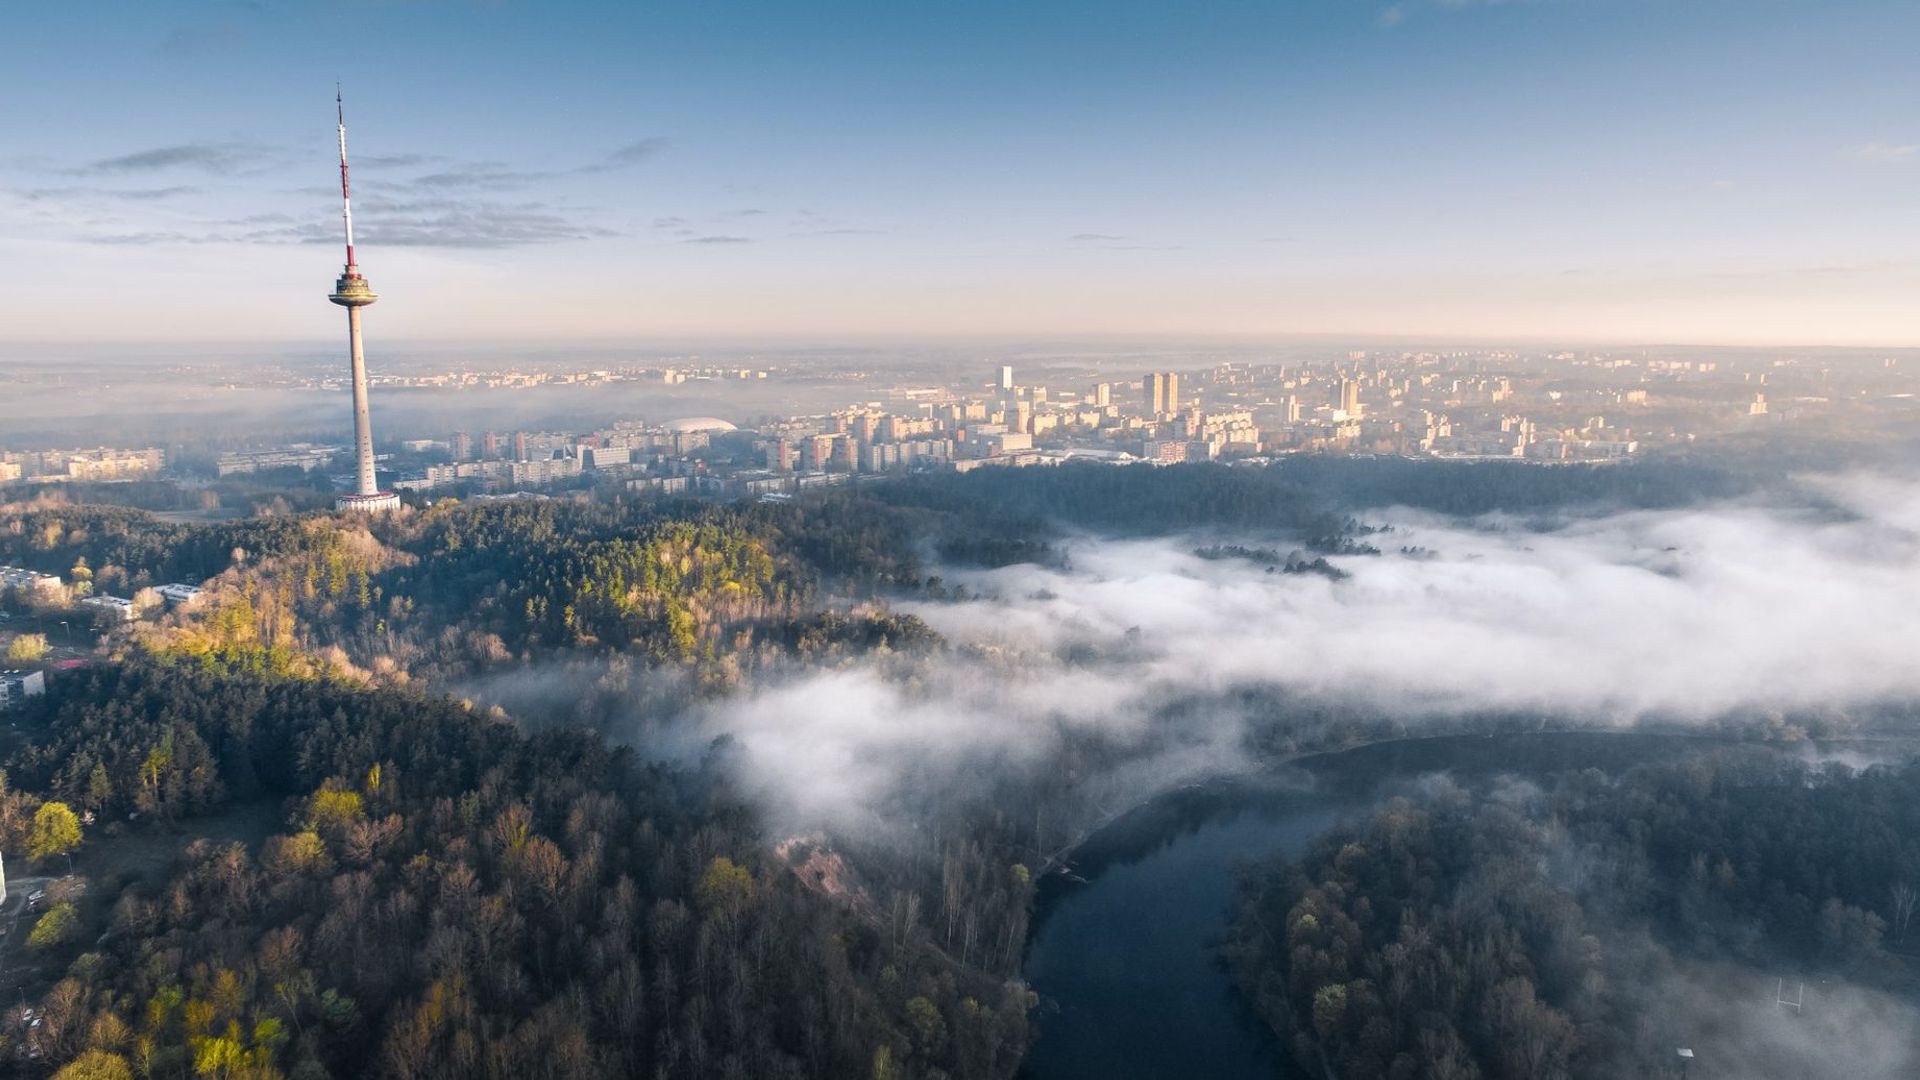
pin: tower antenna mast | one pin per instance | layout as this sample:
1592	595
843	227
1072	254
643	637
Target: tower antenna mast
346	197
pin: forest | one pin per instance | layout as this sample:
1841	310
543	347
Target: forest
1548	932
450	897
1515	487
456	589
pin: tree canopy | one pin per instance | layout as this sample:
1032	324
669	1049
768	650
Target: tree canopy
56	831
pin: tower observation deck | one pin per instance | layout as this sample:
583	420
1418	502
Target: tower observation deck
352	292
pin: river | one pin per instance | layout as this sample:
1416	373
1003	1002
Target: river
1123	950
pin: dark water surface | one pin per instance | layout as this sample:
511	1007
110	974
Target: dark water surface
1123	954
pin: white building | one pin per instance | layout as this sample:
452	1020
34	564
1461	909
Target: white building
604	457
305	456
180	594
18	686
111	608
545	471
13	577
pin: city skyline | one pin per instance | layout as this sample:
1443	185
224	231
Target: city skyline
1603	171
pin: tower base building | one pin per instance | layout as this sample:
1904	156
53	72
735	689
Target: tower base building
375	503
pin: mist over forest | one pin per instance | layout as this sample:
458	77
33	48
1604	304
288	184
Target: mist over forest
658	758
1788	610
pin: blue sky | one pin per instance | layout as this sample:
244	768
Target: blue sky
1626	170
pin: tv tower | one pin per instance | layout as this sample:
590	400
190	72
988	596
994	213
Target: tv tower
353	293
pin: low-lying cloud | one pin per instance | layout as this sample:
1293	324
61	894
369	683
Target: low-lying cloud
1681	616
1730	1016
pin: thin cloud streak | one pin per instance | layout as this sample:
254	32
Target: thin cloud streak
447	207
498	176
220	159
434	223
128	194
631	154
1885	153
1396	14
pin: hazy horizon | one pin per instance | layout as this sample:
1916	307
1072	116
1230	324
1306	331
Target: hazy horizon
998	345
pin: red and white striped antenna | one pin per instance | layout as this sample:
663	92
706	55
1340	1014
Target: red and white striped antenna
346	200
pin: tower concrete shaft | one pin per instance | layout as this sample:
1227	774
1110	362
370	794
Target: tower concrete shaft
364	483
353	293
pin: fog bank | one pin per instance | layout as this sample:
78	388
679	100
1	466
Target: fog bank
1686	615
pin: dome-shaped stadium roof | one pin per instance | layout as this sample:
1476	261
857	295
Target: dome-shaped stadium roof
698	423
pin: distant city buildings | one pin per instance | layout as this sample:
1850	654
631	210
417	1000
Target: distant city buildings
303	456
1162	391
1349	406
1176	451
1557	407
542	471
100	463
471	378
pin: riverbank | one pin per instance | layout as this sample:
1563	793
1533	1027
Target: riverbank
1122	952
